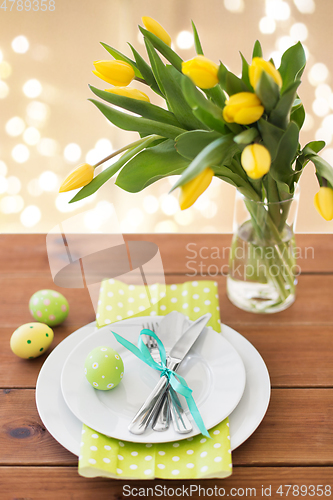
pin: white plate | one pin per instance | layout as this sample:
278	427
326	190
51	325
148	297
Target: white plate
213	370
66	428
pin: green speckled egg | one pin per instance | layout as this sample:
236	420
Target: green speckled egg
49	306
104	368
31	340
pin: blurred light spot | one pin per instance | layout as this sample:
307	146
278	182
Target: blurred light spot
209	229
299	32
324	91
20	44
32	88
34	188
11	204
135	215
328	122
320	107
15	126
140	38
324	134
72	152
284	43
305	6
169	204
63	205
267	25
276	56
14	185
184	217
104	147
5	69
3	168
4	89
47	147
234	5
40	52
185	40
318	73
166	226
31	136
20	153
1	56
3	184
30	216
93	156
48	181
327	154
277	9
172	179
37	111
104	209
150	204
210	211
308	122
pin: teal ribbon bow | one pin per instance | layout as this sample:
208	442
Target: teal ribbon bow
177	382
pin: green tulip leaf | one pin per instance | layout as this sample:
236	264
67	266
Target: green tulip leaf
121	57
143	108
280	115
169	54
110	171
297	115
137	123
292	65
219	151
247	136
156	64
190	144
267	91
216	95
197	43
151	165
245	72
243	186
230	82
313	147
146	71
281	168
271	136
323	168
257	50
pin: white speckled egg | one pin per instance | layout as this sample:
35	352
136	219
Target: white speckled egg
104	368
31	340
49	307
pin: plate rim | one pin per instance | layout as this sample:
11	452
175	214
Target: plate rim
157	437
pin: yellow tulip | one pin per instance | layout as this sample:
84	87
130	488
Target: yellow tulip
256	160
118	73
202	71
191	191
157	30
132	93
323	201
243	108
80	177
258	66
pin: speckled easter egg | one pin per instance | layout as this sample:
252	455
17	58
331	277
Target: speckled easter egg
31	340
48	306
104	368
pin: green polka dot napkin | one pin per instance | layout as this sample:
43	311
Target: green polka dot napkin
192	458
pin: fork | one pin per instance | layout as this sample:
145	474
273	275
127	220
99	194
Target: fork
171	401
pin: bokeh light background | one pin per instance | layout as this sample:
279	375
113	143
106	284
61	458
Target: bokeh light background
47	126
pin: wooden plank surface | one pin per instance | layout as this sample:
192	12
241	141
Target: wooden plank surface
49	483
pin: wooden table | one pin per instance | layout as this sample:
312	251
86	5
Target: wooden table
292	446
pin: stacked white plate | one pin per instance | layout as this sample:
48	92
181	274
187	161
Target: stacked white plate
227	375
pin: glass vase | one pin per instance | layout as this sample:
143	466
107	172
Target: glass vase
262	264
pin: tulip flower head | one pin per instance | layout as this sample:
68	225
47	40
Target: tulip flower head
202	71
118	73
243	108
79	177
323	201
256	160
127	92
258	66
154	27
191	191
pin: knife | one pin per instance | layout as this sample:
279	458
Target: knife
176	356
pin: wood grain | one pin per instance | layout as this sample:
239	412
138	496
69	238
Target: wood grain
48	483
297	430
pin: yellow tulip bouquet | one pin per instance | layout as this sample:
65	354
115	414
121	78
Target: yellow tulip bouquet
242	130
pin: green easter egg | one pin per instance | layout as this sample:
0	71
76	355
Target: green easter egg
31	340
104	368
49	307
